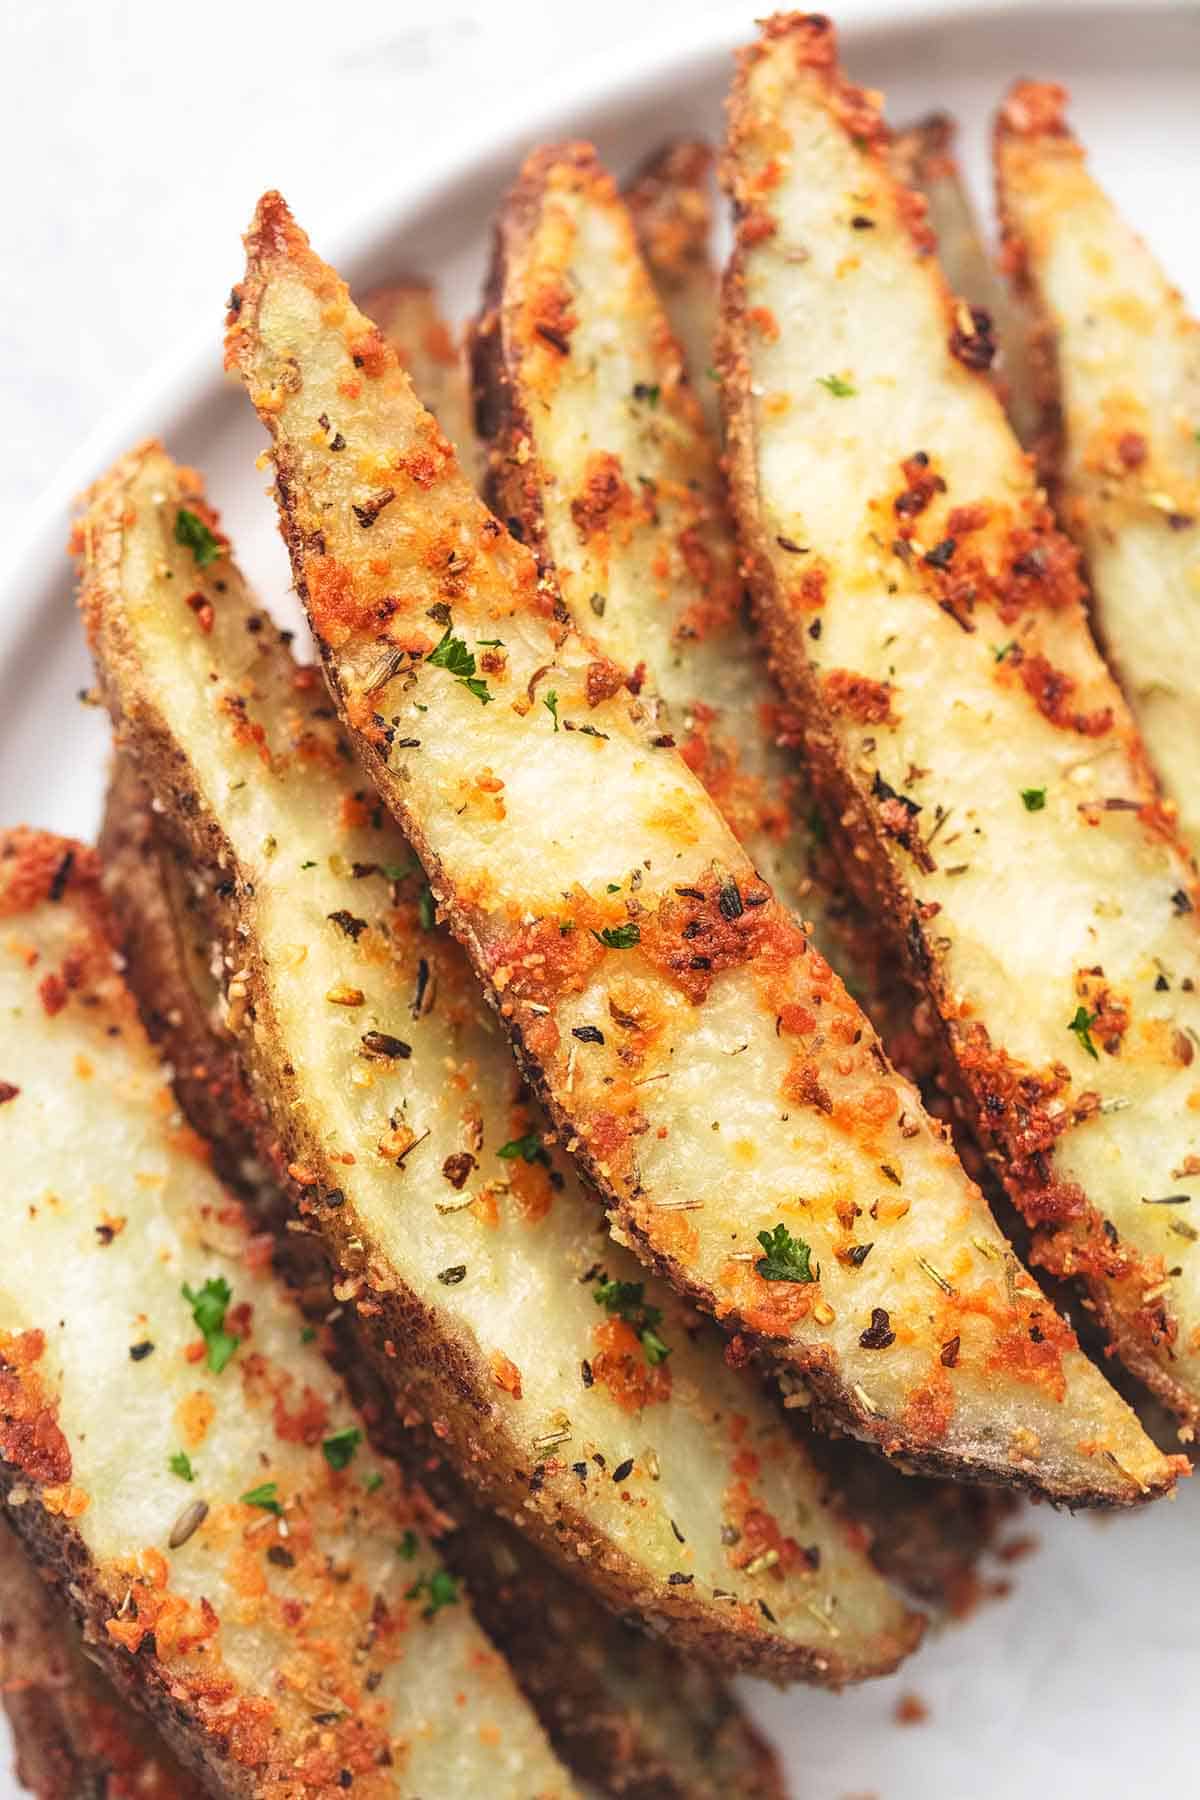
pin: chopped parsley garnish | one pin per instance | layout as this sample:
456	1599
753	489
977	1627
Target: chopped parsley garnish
426	911
787	1258
1081	1025
647	391
194	535
208	1310
550	702
266	1496
1000	651
452	655
441	1588
624	1299
817	827
181	1464
841	390
374	1482
407	1547
308	865
529	1148
308	1334
618	937
340	1447
1033	799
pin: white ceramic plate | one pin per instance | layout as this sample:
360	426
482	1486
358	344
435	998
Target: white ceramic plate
1082	1682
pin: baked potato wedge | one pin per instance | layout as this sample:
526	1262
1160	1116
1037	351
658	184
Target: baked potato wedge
631	963
408	314
659	588
72	1737
586	1402
971	748
620	1706
669	196
181	1463
1121	389
923	157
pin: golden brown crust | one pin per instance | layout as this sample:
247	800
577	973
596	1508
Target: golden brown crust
1019	1109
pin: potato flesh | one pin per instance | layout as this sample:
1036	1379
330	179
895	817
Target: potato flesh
1127	361
507	1264
1033	898
92	1145
300	347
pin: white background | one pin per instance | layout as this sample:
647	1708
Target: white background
134	139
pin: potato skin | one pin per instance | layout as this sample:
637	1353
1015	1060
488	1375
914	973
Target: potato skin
71	1735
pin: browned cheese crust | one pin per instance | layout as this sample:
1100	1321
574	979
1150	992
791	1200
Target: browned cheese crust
576	930
978	763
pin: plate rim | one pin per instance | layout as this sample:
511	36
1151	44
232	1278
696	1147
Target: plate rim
182	382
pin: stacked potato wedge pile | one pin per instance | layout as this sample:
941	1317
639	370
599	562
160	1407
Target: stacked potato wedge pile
506	1127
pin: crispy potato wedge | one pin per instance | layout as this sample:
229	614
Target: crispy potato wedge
659	588
73	1738
973	751
1121	381
669	196
184	1466
614	1432
630	963
408	314
923	158
621	1708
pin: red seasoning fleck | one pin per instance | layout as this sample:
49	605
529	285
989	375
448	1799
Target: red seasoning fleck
910	1709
